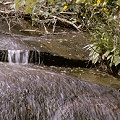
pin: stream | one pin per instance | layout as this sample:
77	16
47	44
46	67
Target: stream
31	93
48	77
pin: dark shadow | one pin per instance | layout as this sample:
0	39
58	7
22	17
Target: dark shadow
48	59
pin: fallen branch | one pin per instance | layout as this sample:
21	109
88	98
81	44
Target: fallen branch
66	21
55	18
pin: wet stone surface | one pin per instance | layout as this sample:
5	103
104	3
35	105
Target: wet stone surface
28	92
66	44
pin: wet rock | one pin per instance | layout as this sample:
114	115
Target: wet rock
26	92
66	44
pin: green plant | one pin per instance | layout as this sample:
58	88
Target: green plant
101	18
105	35
105	46
80	13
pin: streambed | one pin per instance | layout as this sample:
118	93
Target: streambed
28	92
39	92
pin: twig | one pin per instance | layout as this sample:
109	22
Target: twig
66	21
52	16
55	20
69	13
63	20
8	22
6	11
45	29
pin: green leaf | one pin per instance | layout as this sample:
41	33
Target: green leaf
109	57
30	3
107	53
111	64
116	60
28	10
113	49
118	2
79	1
119	39
52	1
95	58
17	6
19	3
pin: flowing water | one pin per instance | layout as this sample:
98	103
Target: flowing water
18	56
31	92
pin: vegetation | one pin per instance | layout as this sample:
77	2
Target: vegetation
101	18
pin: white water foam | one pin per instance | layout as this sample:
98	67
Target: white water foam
18	56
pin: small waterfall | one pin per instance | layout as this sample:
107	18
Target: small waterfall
18	56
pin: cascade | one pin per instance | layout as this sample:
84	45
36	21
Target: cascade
18	56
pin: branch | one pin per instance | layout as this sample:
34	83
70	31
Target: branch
6	11
66	21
